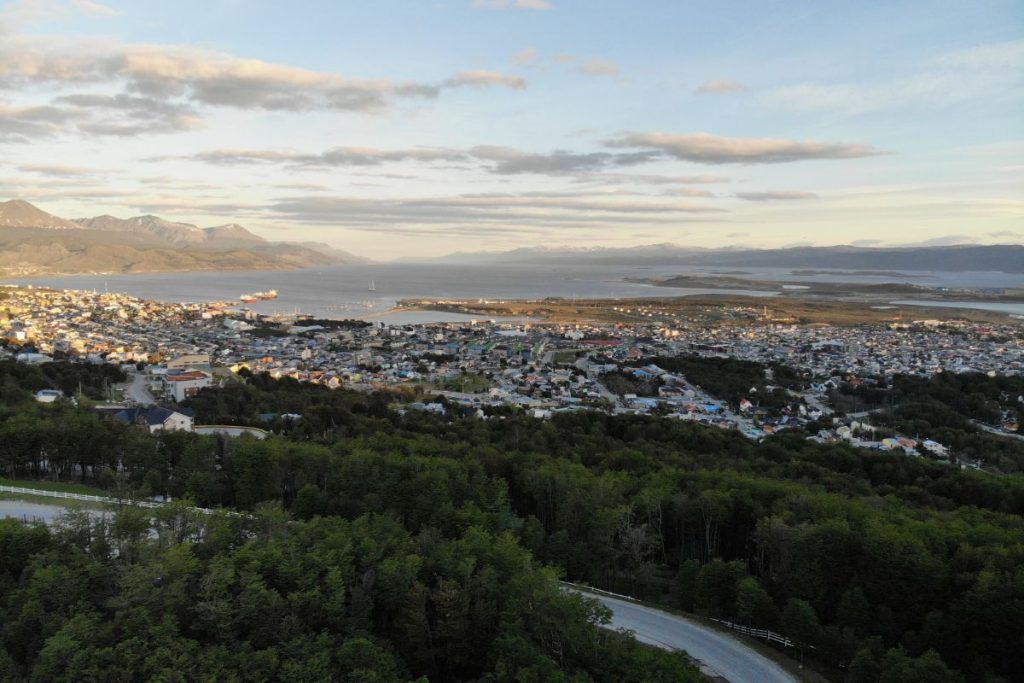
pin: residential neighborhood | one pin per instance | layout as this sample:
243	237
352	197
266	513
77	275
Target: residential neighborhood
175	350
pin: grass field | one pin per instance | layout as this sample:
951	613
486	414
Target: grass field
706	309
468	383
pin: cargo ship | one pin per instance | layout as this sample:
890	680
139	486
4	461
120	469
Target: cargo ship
258	296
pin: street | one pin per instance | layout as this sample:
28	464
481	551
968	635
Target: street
137	391
718	654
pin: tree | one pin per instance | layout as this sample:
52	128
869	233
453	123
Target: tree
800	622
309	502
899	667
716	586
686	584
753	604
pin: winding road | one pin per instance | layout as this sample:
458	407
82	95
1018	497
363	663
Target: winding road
720	656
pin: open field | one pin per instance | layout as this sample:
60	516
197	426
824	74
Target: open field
706	309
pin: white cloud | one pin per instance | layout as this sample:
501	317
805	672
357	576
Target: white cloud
1008	55
174	82
774	196
599	67
485	79
713	149
986	71
525	57
95	8
720	87
515	4
491	158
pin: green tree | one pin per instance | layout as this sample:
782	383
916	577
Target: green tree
753	604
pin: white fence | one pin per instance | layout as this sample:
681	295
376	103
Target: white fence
762	633
78	496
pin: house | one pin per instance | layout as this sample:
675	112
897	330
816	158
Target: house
157	419
181	385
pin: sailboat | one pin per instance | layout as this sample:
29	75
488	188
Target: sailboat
372	287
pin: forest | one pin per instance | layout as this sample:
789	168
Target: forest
882	567
948	407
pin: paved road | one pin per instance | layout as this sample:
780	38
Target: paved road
719	654
998	432
136	390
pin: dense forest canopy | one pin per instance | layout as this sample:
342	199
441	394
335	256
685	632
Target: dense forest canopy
882	567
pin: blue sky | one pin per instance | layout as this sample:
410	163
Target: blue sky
393	128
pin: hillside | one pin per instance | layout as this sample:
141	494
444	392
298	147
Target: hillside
34	242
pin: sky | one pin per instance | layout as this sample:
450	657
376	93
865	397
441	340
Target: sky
397	128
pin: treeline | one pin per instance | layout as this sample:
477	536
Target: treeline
882	566
18	380
258	598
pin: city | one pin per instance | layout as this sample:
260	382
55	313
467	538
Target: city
538	367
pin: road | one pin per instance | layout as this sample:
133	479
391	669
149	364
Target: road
137	391
719	655
998	432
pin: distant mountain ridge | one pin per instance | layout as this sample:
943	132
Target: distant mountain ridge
18	213
1008	258
34	242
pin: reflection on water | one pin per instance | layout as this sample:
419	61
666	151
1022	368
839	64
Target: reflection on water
36	512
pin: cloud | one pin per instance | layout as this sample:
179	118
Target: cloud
773	196
525	57
537	210
866	243
689	192
944	241
95	8
734	235
172	82
713	149
337	156
58	170
103	115
719	87
514	4
129	115
493	158
982	72
508	161
485	79
640	179
1006	233
1009	54
598	67
20	12
19	124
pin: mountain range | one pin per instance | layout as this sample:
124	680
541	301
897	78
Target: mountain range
1008	258
34	242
